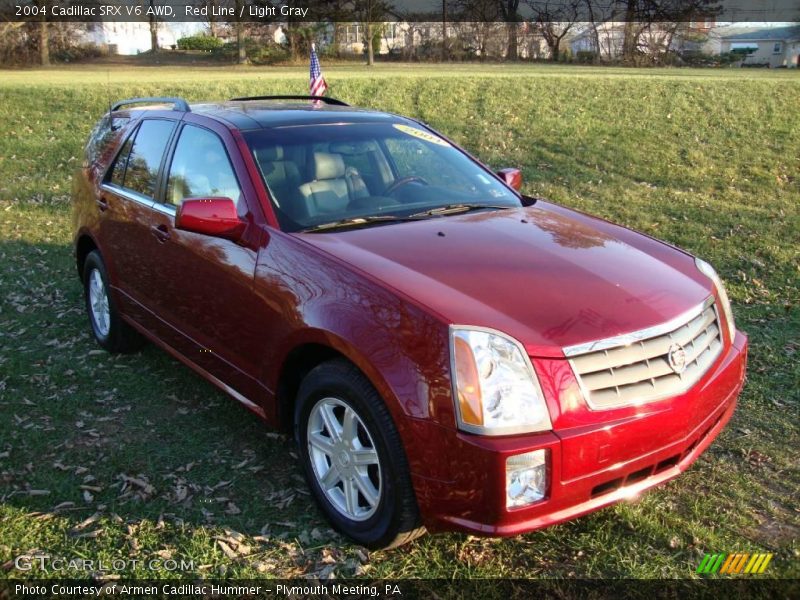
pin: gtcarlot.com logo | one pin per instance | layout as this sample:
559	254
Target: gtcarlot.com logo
46	564
735	564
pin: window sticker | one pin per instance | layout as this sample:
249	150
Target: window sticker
420	134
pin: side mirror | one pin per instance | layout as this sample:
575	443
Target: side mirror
512	177
210	216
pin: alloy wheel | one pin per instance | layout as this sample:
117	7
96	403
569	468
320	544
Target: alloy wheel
98	303
344	459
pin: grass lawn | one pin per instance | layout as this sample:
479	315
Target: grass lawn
135	457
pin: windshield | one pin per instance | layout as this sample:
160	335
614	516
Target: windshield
320	174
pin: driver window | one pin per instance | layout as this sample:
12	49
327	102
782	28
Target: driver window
414	158
201	168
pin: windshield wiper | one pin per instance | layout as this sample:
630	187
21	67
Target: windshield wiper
358	222
452	209
369	220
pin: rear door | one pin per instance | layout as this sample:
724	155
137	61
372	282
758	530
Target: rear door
129	227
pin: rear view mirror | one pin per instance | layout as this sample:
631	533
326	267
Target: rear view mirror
512	177
210	216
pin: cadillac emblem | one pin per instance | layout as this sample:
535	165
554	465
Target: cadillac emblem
677	358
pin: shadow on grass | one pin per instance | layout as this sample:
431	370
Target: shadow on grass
133	437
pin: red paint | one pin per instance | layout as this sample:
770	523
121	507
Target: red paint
210	216
512	177
235	298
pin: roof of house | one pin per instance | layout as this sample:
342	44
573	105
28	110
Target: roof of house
769	33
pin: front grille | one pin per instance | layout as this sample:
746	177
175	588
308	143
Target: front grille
635	368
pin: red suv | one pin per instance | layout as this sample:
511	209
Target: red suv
449	353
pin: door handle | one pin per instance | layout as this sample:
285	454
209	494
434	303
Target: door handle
102	203
161	232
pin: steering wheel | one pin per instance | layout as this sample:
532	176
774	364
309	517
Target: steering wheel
404	181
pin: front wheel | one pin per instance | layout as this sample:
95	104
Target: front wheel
353	458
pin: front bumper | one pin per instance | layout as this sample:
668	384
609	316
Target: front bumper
475	500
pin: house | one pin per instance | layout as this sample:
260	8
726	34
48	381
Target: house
772	47
394	36
133	37
701	36
423	39
606	39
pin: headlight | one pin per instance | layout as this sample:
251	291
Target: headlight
496	390
707	270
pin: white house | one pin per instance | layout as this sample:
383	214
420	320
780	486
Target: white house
772	46
133	37
606	39
405	37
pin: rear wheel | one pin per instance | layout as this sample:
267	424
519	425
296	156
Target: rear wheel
353	458
110	331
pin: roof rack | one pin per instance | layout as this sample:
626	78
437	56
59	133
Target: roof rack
177	103
324	99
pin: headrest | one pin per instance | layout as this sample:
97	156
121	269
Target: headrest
328	166
351	148
269	154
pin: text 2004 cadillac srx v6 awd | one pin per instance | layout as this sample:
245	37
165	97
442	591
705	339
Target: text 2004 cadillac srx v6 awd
448	353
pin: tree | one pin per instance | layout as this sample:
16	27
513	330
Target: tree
653	23
368	12
554	19
241	50
31	42
44	43
44	36
213	20
153	28
444	30
368	28
339	13
493	11
509	9
596	14
480	26
629	37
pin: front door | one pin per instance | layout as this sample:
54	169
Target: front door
202	286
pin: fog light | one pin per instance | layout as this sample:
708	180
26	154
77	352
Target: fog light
526	478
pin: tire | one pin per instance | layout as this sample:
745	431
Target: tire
378	516
109	329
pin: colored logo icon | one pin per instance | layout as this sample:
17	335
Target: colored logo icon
734	564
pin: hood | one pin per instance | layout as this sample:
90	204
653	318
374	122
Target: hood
546	275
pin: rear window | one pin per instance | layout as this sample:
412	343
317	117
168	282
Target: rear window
117	173
137	165
102	137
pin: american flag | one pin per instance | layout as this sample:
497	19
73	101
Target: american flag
317	83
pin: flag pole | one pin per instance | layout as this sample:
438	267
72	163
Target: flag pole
317	85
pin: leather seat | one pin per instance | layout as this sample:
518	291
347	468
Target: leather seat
207	174
329	192
283	179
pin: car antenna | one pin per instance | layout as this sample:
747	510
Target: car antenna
108	95
108	90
